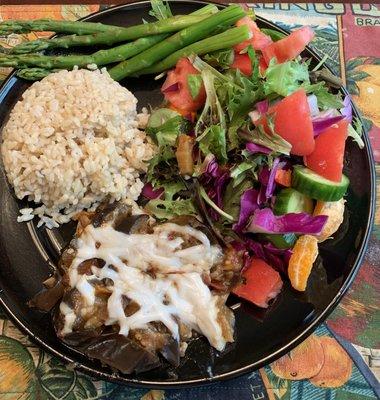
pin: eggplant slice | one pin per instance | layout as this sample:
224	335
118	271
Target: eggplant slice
93	329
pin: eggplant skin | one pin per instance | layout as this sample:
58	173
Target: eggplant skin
47	298
171	352
123	354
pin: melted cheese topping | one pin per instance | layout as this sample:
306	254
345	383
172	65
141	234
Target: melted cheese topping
176	291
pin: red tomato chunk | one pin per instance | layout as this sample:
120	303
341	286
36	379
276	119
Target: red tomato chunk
290	47
262	283
181	97
327	158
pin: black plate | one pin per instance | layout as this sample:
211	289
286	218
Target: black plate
27	255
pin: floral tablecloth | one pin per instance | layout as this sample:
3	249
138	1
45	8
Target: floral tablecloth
349	34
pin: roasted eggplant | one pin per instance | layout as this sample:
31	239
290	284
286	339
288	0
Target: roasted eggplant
133	292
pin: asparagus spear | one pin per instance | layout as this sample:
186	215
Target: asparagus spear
78	27
39	25
101	57
117	35
223	40
34	74
177	41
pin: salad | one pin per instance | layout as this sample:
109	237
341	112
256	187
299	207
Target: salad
251	139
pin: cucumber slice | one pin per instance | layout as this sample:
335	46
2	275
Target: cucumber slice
317	187
291	201
285	241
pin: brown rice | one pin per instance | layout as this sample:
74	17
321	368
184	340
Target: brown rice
72	141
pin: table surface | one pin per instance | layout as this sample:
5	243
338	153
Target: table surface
349	34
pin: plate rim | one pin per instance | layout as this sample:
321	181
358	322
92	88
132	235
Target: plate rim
274	355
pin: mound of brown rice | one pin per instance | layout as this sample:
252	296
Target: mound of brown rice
72	141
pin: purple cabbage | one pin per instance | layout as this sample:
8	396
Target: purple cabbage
264	175
267	180
262	106
271	185
171	88
346	111
276	258
321	124
325	119
313	104
248	204
264	221
151	193
214	179
256	148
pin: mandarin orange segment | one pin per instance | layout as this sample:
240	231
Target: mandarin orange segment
305	251
335	211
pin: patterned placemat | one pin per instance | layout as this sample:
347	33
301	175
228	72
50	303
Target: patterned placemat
345	350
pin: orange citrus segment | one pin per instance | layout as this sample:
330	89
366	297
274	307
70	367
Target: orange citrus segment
335	211
305	251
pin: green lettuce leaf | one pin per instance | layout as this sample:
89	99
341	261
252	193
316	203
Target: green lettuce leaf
160	10
194	82
240	172
283	79
166	209
159	166
164	126
325	99
356	132
172	188
236	95
221	58
232	195
273	141
211	126
213	140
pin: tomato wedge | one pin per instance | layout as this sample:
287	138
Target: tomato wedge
290	47
327	158
258	40
292	121
176	88
262	65
262	283
243	63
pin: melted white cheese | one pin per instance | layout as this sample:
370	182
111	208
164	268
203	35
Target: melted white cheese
176	291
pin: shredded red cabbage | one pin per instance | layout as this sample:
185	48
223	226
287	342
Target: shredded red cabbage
256	148
214	179
325	119
346	111
276	258
171	88
321	124
248	204
267	180
271	185
262	106
264	221
151	193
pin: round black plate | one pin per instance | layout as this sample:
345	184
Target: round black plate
27	255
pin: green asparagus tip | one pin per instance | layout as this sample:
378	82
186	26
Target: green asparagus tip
34	74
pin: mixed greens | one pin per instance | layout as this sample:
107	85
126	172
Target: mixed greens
250	137
253	145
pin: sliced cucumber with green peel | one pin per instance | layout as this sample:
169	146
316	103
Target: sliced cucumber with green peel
285	241
292	201
317	187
